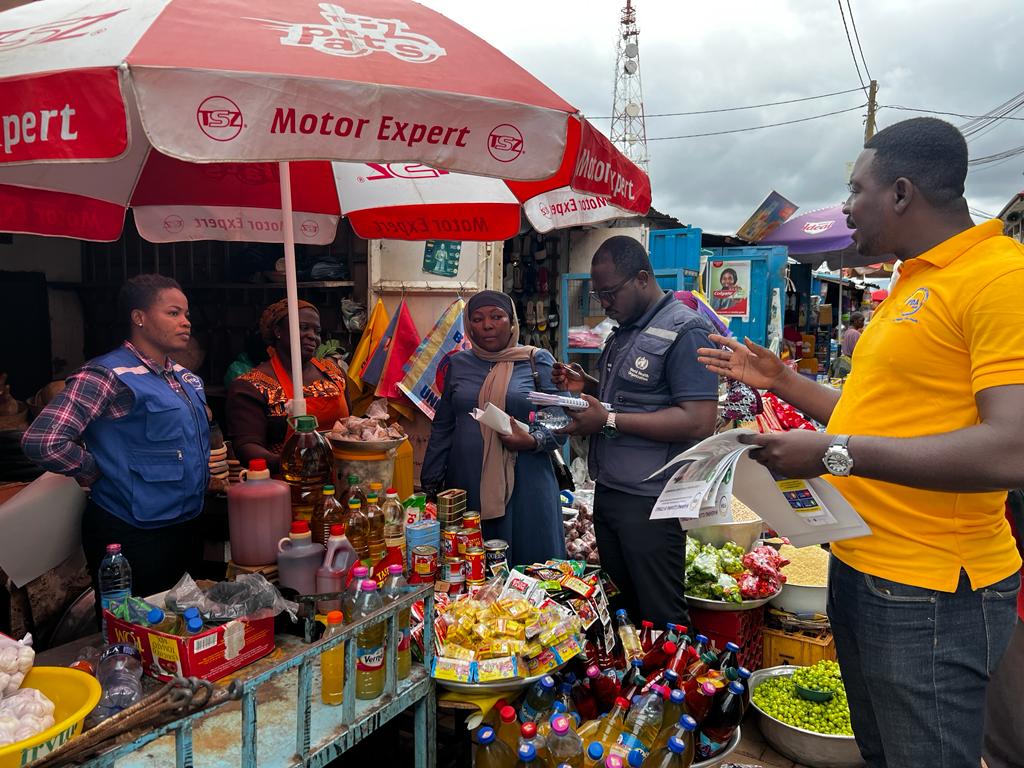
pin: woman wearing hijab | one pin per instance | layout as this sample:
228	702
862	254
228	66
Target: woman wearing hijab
257	404
507	477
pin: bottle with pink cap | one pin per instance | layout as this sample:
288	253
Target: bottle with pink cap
369	644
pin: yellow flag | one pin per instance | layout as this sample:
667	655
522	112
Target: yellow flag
368	342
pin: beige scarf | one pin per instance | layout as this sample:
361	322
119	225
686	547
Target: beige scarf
498	467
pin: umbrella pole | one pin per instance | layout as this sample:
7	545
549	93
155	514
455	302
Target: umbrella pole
292	290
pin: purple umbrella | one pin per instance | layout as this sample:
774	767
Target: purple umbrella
817	231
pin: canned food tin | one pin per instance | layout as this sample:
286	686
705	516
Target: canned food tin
424	563
475	564
452	568
495	553
472	584
471	520
463	540
474	538
450	541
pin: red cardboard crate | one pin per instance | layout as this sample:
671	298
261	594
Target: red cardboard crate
210	655
741	627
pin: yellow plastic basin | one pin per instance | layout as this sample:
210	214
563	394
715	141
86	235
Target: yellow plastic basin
73	693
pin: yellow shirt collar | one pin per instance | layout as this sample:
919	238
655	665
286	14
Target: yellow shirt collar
948	251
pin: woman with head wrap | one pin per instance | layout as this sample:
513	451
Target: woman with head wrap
257	404
508	478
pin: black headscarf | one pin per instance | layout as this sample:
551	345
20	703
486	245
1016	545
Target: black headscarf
491	299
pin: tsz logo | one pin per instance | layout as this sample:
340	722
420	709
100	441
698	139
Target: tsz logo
219	118
349	34
173	224
64	29
505	143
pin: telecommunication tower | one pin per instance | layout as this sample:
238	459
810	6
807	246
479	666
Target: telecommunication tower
628	131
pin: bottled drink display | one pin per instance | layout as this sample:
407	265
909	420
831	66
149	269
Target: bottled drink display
307	463
115	579
375	528
721	721
658	657
491	752
393	589
332	664
120	673
328	513
357	528
627	635
508	729
563	743
259	514
539	698
355	585
330	576
370	644
298	558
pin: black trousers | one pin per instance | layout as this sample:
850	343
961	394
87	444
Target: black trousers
645	558
158	556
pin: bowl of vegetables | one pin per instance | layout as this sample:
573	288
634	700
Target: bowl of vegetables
728	578
813	733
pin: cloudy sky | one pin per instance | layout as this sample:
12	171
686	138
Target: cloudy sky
926	54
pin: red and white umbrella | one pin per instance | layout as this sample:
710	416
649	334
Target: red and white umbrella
110	104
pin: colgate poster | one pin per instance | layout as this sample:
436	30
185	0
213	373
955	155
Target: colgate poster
67	116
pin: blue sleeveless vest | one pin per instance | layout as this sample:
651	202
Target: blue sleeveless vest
154	461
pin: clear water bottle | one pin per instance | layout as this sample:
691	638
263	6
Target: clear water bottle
552	418
120	673
115	579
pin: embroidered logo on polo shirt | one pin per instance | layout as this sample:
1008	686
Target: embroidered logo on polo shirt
641	363
192	380
914	304
636	371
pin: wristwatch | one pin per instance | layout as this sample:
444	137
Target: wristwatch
609	430
837	458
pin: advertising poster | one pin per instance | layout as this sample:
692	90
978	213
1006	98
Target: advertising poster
730	288
441	257
769	216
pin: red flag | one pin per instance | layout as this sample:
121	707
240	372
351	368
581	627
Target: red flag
404	341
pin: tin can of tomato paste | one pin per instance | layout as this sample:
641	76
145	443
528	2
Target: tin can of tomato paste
471	520
463	540
450	542
424	564
495	556
456	578
475	564
474	538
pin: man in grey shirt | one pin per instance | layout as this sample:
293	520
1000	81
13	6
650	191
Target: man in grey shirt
662	402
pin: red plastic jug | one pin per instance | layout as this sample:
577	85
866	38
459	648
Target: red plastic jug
259	515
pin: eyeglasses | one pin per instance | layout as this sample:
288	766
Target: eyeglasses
608	295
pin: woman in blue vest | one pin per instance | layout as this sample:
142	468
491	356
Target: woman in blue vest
132	426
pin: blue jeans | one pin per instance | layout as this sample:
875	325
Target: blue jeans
916	662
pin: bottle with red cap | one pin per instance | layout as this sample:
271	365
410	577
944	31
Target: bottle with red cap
330	576
259	515
646	635
658	657
298	558
332	664
528	738
508	728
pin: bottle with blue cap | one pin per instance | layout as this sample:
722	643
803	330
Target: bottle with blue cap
527	755
159	621
729	659
684	728
490	752
675	707
631	647
721	722
538	699
683	735
674	755
594	756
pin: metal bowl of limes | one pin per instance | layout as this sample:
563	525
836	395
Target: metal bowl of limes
817	750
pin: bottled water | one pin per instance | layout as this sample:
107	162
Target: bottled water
115	579
552	418
120	673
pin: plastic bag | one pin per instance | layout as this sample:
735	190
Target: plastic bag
248	596
727	589
24	714
692	550
353	314
706	567
16	659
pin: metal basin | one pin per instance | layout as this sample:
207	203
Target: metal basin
816	750
744	534
798	599
711	762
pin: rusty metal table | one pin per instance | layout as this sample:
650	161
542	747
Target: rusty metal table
280	720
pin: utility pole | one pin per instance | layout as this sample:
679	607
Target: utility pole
628	129
869	125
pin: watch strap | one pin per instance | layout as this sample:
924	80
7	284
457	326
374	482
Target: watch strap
840	441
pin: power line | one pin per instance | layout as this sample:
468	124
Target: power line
857	36
951	114
1006	154
981	213
850	41
757	127
740	109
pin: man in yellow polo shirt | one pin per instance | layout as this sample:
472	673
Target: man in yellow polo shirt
924	440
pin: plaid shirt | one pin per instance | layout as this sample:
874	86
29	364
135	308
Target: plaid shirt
54	440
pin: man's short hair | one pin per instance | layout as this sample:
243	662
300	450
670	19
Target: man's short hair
856	318
627	254
929	152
